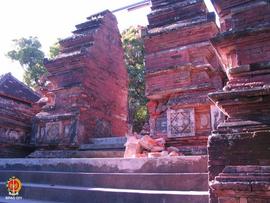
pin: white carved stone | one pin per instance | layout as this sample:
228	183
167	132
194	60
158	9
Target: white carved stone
53	131
181	122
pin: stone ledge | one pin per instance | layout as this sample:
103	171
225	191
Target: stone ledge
180	25
236	34
226	95
184	164
158	93
245	181
251	69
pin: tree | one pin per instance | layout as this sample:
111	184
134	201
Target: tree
54	49
27	51
134	58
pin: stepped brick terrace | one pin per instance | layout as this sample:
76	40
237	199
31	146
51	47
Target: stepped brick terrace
85	80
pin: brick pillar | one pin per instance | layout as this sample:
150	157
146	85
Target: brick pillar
181	69
244	139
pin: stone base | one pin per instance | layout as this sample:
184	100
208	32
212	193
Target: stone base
238	148
193	145
110	147
247	184
242	145
110	143
55	129
15	151
76	154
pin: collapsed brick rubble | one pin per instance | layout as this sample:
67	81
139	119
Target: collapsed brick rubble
138	146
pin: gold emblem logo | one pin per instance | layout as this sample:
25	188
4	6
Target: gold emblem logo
14	185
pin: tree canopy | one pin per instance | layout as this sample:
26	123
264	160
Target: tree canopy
27	51
54	49
134	57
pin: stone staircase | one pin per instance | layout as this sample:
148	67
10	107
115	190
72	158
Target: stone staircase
108	180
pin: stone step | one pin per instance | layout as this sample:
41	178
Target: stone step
76	154
182	164
141	181
44	192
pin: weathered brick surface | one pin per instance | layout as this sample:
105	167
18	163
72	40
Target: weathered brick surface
235	184
90	82
181	69
244	138
15	120
16	113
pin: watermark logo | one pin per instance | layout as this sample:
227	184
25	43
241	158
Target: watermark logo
14	186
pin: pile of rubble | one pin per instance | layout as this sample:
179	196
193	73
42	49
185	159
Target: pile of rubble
138	146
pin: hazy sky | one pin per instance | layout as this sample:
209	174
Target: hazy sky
52	19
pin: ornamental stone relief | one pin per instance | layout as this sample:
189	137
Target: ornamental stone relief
181	122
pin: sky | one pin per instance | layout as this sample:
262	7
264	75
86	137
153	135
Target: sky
52	19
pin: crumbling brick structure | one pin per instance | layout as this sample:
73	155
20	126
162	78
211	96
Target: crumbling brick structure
16	113
239	153
181	69
88	95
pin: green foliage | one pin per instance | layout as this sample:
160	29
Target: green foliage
134	57
27	51
54	49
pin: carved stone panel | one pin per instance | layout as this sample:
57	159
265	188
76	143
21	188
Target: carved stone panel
53	132
8	135
181	122
203	121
